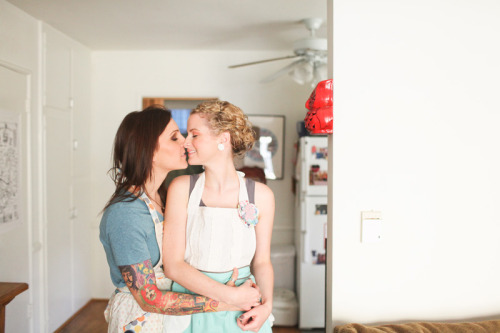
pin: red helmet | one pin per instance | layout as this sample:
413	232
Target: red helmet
319	118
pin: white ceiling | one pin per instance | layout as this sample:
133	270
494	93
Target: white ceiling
179	24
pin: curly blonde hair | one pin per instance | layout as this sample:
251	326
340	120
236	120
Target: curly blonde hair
223	116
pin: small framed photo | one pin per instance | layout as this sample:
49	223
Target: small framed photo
268	150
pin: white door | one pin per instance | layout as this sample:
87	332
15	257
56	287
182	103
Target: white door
312	296
58	203
312	265
314	229
58	188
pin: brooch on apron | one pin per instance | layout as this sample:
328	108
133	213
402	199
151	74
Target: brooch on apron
249	213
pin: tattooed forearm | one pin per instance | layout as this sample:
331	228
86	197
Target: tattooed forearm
173	303
141	281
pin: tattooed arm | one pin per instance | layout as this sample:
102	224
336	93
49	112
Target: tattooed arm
141	281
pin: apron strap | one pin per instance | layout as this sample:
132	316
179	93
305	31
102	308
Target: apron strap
243	187
151	207
196	193
158	226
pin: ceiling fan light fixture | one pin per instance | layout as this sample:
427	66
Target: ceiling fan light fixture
303	73
320	73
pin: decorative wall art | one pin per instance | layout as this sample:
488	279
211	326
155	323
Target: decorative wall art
9	169
268	150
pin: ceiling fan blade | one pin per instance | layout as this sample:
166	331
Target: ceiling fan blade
284	70
262	61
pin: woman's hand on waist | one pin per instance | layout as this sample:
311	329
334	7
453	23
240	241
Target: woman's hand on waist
254	319
242	297
245	296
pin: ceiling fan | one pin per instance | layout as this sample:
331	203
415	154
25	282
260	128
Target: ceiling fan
312	53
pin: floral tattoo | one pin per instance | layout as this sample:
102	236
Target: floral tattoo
141	281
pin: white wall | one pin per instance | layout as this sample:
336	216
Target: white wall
121	79
66	118
416	137
19	96
29	83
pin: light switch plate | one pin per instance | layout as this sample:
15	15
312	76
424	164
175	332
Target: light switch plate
371	226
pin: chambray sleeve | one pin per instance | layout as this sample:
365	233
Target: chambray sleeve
127	235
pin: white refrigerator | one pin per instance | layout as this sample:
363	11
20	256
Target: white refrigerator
310	229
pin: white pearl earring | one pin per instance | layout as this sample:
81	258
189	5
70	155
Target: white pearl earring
220	146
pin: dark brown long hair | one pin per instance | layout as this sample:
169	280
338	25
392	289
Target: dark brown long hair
135	143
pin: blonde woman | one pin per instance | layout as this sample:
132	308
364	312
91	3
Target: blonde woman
219	220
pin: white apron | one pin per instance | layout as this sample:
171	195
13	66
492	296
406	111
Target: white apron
124	314
217	240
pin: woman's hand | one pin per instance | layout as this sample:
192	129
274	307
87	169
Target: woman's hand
234	277
245	296
254	319
232	283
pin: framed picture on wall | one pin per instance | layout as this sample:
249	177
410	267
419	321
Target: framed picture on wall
268	150
10	164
